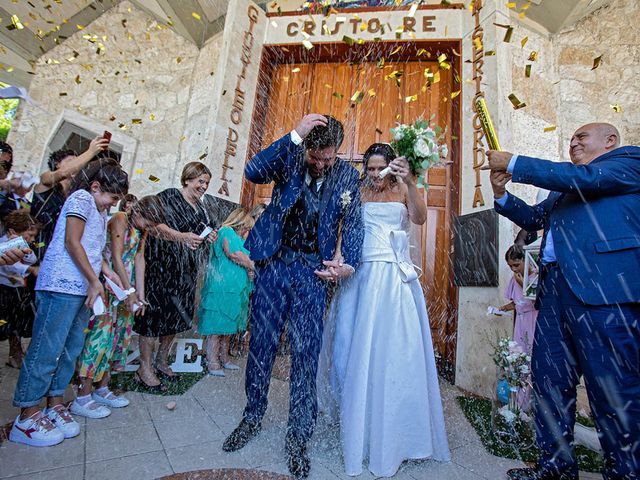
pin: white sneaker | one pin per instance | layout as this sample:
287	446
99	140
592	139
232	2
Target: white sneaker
37	431
110	399
64	422
231	366
90	409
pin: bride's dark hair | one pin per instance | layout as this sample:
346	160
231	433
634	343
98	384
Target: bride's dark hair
383	149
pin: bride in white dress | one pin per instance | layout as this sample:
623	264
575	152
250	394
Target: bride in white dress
377	367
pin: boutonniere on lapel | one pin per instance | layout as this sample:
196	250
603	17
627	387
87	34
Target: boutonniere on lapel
345	199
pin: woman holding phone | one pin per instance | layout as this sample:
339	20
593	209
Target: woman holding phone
174	252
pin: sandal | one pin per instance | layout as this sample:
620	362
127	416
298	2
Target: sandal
13	363
164	375
158	389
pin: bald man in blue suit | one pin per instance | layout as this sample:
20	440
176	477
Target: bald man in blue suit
588	296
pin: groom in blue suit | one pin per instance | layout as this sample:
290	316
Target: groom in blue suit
588	296
315	201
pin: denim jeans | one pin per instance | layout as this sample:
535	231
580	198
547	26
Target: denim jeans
57	340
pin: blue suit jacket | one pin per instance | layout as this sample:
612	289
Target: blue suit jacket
283	163
594	213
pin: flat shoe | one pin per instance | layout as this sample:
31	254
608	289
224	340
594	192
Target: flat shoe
157	389
86	411
231	366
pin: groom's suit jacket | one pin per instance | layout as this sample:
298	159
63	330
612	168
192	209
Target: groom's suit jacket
593	212
283	162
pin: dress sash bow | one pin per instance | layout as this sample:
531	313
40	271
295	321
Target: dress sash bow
400	245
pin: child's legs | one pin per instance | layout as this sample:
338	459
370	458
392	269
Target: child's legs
95	352
224	348
72	348
213	351
54	320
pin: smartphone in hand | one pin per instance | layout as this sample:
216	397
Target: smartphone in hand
107	136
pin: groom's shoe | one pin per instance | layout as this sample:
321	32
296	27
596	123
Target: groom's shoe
537	474
241	436
297	458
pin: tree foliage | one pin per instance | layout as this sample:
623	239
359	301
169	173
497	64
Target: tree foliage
8	110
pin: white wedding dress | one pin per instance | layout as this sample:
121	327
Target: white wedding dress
377	370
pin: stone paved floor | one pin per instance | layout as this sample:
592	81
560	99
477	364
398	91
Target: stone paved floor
145	440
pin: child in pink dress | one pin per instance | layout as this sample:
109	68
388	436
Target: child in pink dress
526	313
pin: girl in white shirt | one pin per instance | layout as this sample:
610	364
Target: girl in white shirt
66	290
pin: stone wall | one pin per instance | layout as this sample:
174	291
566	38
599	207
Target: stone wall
145	71
586	95
197	129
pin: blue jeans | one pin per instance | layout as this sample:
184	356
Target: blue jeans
57	340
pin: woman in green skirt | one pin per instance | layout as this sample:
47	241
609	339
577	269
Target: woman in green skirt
224	305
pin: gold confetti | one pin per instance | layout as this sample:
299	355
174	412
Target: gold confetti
195	15
455	94
154	179
511	5
396	50
16	23
436	77
489	53
152	117
616	108
295	70
533	56
357	97
307	44
122	126
136	121
3	322
372	92
527	71
63	94
411	98
183	138
179	60
524	41
348	40
339	96
507	36
422	51
517	104
77	79
80	27
138	170
550	128
40	245
596	62
478	43
326	85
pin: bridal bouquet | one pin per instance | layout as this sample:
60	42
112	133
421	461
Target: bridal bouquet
421	145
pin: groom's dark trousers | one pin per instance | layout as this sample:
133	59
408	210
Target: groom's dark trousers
295	294
602	343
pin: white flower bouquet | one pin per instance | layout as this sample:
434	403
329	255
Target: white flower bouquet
421	145
513	363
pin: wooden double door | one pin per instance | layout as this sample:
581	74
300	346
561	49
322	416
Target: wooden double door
370	98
